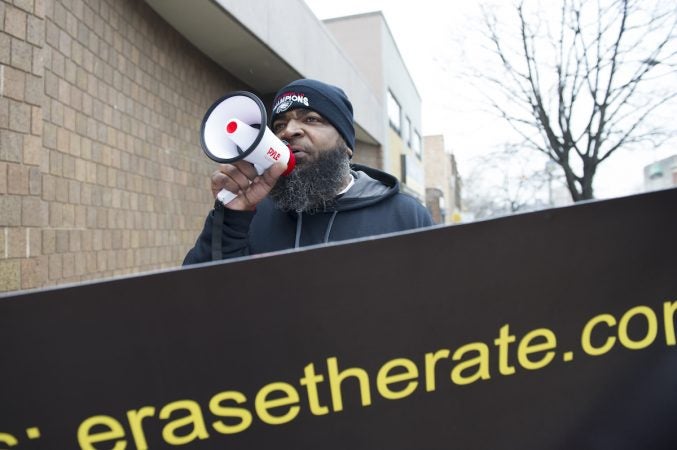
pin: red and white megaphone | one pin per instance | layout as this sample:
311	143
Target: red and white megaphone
234	128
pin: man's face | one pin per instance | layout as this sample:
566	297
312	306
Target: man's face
308	134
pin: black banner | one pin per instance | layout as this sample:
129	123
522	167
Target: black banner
549	330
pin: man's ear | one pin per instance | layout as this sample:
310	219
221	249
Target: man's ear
349	152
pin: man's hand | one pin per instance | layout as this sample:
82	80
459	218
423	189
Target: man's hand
241	178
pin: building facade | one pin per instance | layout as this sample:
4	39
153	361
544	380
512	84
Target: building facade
443	182
368	41
101	171
661	174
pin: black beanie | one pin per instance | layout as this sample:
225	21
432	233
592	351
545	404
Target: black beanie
327	100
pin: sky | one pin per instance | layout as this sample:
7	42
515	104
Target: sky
438	41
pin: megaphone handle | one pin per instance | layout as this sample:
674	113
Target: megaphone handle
225	196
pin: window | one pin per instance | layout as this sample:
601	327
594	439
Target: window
416	143
406	131
394	112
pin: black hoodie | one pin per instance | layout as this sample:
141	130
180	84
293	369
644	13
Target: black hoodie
373	205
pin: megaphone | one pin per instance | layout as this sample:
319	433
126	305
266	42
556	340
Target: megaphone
234	128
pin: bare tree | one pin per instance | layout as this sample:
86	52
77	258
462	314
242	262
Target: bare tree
507	181
581	87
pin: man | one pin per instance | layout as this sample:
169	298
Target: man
323	199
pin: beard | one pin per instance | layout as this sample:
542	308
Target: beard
312	187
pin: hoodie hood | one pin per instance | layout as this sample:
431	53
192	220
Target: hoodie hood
371	186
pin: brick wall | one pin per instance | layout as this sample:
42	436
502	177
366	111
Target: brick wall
101	172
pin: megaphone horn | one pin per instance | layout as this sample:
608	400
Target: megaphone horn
234	128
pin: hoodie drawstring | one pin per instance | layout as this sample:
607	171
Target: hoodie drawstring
331	223
299	223
299	226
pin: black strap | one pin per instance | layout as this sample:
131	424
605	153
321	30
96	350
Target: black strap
217	231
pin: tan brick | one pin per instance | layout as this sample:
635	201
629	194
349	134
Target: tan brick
55	163
40	8
39	61
15	22
68	265
34	90
35	181
19	117
55	215
69	118
69	216
58	62
22	55
91	262
101	261
56	113
68	166
36	120
49	136
26	5
3	177
16	242
48	241
51	82
34	272
80	265
10	205
10	276
65	43
35	33
97	240
62	241
91	172
61	189
48	187
13	83
63	142
73	191
34	239
80	216
80	169
17	179
33	212
4	112
75	241
91	220
5	48
54	267
32	151
71	70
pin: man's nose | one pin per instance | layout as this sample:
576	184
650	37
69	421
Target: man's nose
292	129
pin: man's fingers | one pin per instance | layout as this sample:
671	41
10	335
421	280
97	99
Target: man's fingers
263	184
241	178
233	177
246	168
274	172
